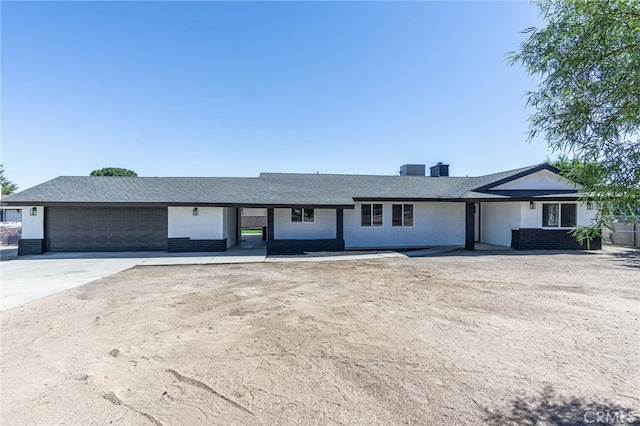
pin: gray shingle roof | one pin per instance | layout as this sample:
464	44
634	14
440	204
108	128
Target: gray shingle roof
169	190
269	189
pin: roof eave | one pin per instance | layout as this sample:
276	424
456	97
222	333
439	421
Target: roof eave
173	204
413	199
534	169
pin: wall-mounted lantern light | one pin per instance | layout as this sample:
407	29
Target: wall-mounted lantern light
195	211
589	205
33	211
532	205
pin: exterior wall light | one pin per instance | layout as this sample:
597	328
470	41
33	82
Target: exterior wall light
195	211
589	205
33	211
532	205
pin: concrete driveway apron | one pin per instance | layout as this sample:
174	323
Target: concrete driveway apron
30	278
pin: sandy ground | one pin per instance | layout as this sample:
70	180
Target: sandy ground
498	338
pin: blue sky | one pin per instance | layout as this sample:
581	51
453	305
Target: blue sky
236	88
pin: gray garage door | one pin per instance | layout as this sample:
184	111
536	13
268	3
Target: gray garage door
105	228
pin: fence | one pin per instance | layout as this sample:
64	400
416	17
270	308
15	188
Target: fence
10	233
625	234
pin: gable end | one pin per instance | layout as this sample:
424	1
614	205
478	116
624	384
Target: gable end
542	177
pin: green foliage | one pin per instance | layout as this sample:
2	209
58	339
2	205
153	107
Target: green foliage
586	174
587	104
8	187
590	175
114	171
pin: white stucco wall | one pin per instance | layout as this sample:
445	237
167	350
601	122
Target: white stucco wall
207	225
585	217
230	219
323	227
32	226
544	179
498	219
531	218
435	223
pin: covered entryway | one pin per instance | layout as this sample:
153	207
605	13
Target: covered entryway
105	228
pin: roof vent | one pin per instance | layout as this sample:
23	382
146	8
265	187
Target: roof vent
412	170
440	170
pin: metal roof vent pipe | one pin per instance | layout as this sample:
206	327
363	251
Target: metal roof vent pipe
440	170
412	170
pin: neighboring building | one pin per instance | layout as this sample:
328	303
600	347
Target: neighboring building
10	226
528	208
8	214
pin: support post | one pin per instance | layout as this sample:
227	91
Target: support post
470	227
238	224
340	224
270	223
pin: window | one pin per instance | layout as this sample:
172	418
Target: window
568	214
371	215
402	215
302	215
563	215
550	214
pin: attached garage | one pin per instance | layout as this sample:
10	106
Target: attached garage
70	229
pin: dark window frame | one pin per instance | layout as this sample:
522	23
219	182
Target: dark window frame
568	219
565	215
372	215
402	215
303	215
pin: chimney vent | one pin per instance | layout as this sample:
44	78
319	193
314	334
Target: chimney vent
412	170
440	170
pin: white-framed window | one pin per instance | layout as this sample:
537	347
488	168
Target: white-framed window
559	215
302	215
402	215
371	215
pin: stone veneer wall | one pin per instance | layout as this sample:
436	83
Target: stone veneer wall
549	239
279	247
177	245
30	246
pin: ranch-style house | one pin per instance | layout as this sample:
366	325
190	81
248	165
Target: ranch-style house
528	208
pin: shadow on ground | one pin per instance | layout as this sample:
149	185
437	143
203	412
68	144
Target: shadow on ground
8	253
552	409
629	258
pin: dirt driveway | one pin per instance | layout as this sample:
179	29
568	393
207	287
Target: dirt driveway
458	339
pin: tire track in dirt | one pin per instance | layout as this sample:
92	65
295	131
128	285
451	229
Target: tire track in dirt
113	398
202	385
